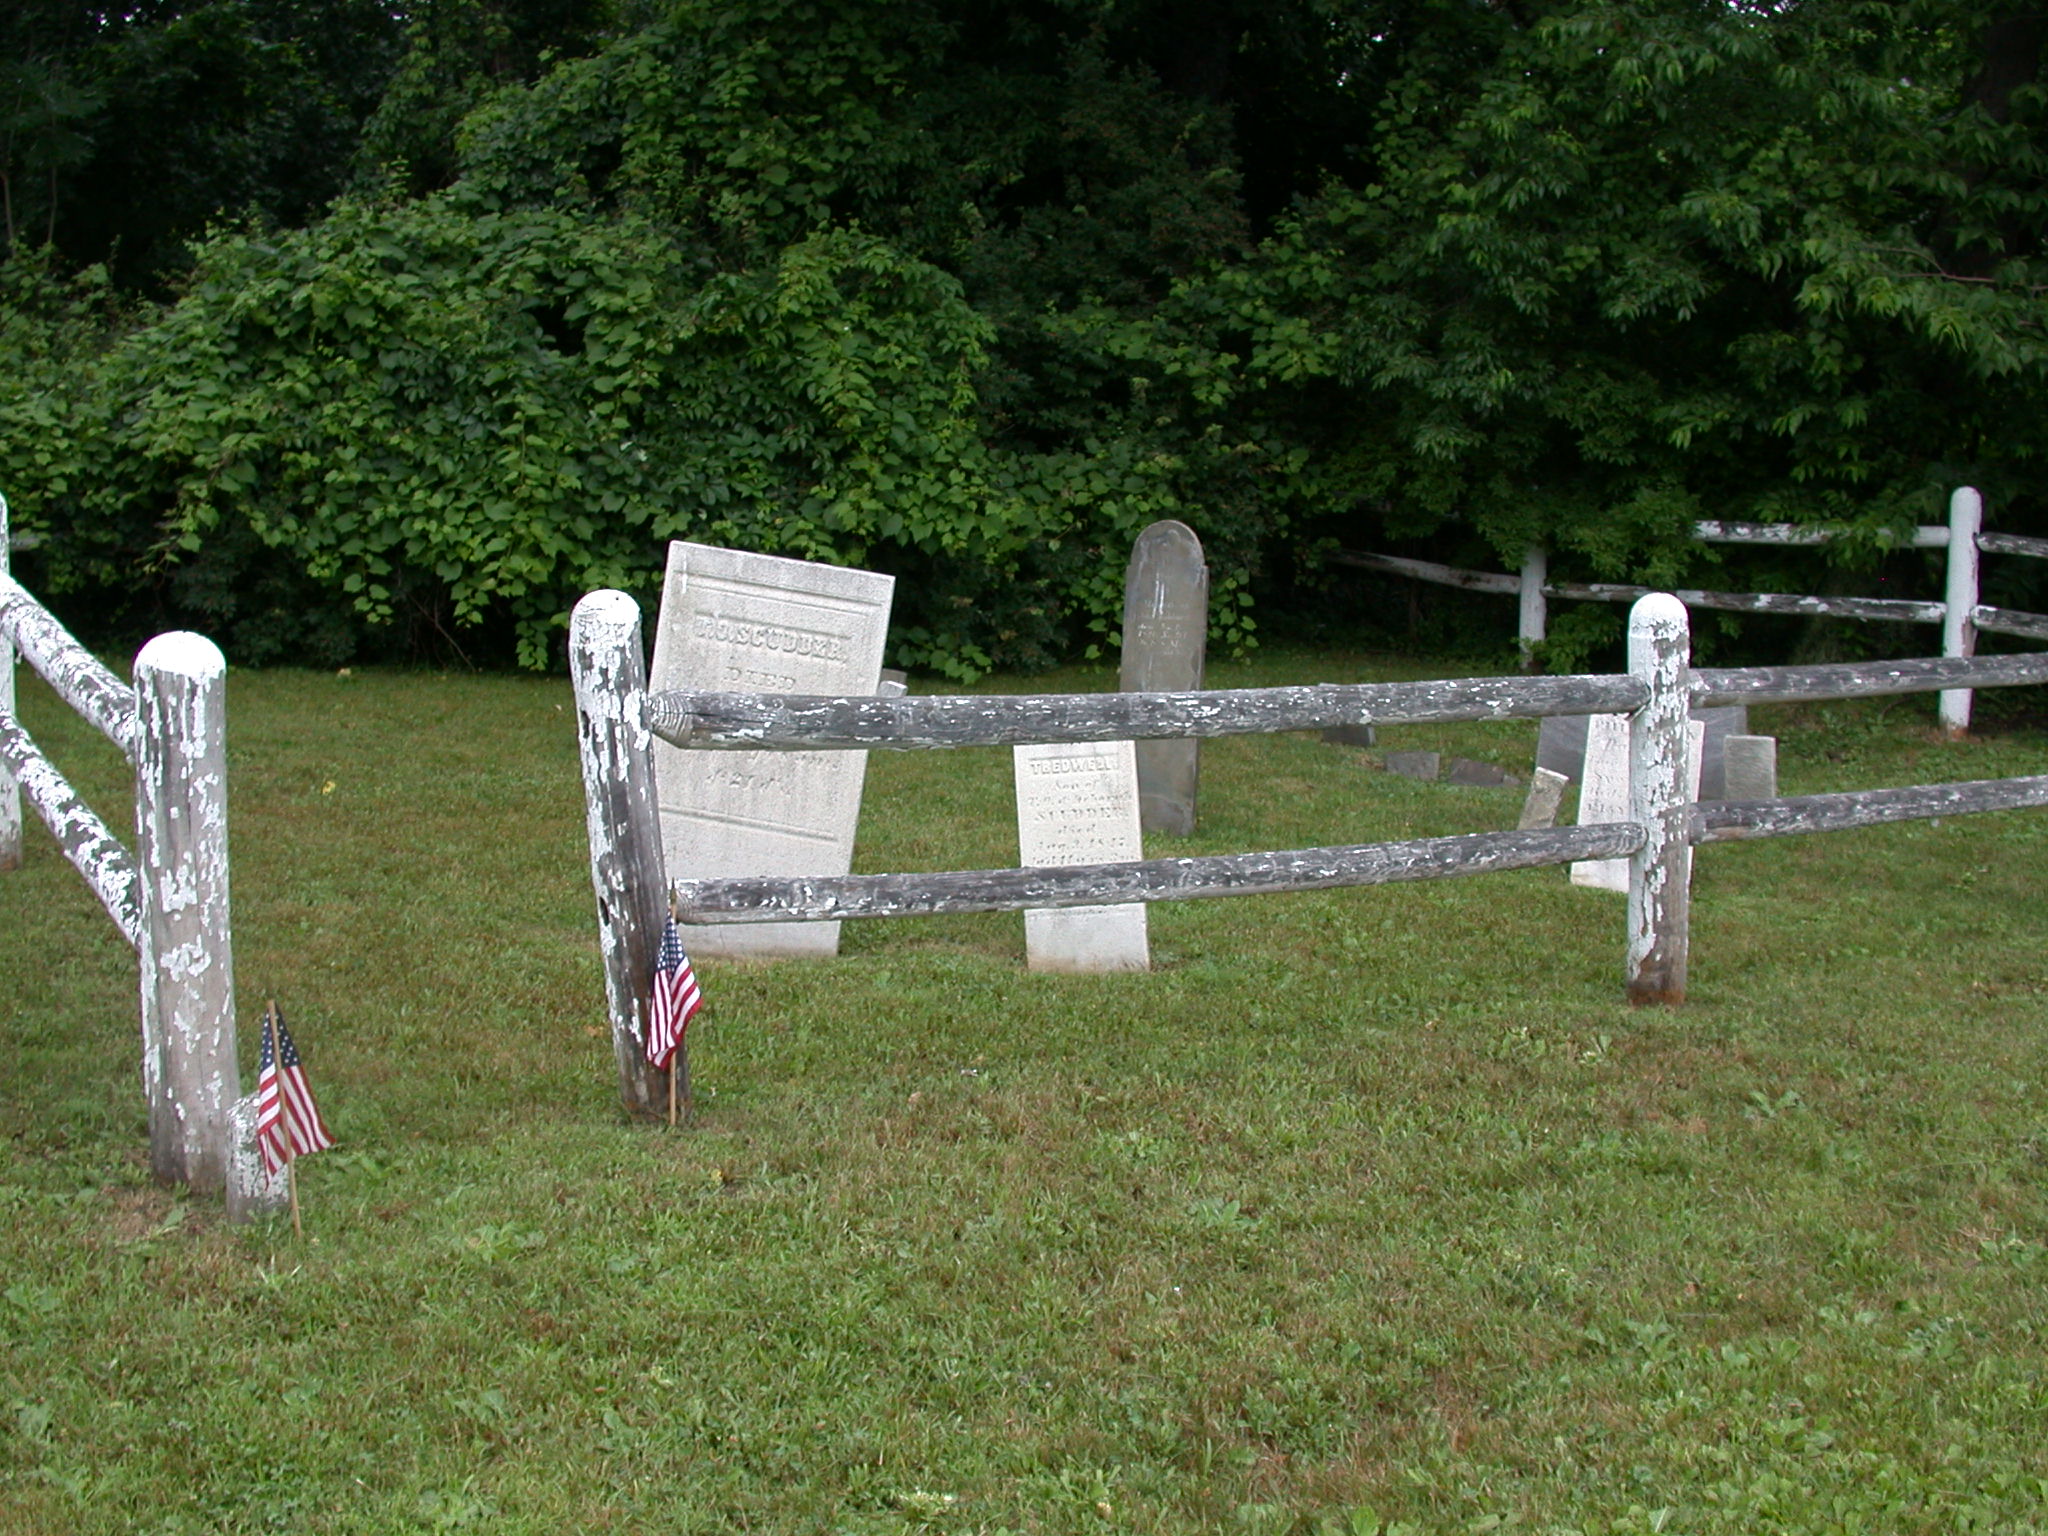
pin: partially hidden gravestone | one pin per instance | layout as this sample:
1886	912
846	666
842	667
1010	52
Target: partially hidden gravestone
1604	791
1166	634
736	622
1561	745
1077	803
1476	775
1546	795
1414	765
1752	768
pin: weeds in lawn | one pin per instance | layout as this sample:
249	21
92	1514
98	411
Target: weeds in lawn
1364	1213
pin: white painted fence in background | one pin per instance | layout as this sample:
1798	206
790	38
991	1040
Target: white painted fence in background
170	898
1960	614
617	720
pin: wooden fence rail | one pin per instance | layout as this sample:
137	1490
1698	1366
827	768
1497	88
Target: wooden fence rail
169	898
618	721
1959	613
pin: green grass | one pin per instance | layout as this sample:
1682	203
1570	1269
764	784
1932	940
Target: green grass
1363	1210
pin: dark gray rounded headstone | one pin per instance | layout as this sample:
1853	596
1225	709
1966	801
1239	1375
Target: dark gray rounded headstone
1166	636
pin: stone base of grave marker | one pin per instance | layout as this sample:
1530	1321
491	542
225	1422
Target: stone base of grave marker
737	622
1166	636
1077	803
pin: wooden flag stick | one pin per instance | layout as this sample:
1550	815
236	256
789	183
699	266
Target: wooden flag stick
672	1090
284	1106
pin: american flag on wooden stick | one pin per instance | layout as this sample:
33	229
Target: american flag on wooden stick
288	1122
674	1000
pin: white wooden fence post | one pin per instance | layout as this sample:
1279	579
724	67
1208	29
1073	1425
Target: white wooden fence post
608	667
1959	621
1534	612
181	854
10	792
1660	873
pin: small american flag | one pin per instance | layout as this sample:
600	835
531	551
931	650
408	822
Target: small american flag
281	1086
675	999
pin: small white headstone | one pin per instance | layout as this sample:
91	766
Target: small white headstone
735	622
1077	803
1603	796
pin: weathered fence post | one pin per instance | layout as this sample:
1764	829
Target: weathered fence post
188	975
1535	614
1660	873
626	866
10	792
1959	617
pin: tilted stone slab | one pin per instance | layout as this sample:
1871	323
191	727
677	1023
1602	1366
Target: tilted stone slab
733	621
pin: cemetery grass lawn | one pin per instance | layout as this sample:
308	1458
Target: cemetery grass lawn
1365	1211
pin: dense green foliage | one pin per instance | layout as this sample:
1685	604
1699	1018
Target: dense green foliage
974	297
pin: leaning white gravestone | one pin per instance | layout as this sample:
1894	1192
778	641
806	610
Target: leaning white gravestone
736	622
1603	793
1077	803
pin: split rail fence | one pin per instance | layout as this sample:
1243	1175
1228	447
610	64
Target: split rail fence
169	898
618	719
1961	616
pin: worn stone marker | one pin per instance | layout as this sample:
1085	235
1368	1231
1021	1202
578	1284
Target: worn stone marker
1546	794
1414	765
1752	768
1476	775
736	622
1350	735
1077	803
1603	796
1166	636
1561	745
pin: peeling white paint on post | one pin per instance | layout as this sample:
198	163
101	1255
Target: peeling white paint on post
84	839
252	1189
1660	773
181	851
10	794
73	672
620	811
1959	619
1535	615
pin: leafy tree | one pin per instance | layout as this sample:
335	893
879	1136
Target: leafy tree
1612	267
973	294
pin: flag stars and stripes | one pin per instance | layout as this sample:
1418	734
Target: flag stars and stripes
288	1122
673	1001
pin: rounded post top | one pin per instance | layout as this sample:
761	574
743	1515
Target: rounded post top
181	653
604	608
1658	613
1966	508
